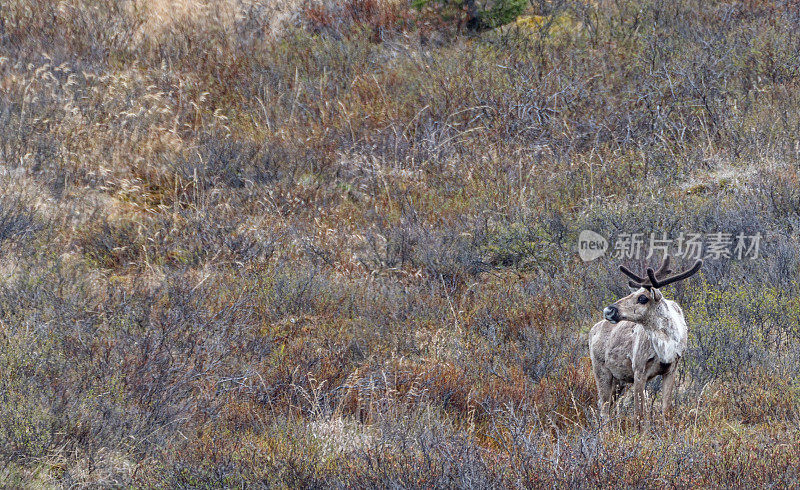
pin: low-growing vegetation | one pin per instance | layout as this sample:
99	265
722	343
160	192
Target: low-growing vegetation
318	243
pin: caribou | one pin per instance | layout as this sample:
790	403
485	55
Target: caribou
643	335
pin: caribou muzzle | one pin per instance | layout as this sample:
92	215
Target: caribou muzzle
611	313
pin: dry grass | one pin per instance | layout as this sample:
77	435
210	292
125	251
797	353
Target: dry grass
332	243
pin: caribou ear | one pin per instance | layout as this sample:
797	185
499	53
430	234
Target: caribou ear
657	294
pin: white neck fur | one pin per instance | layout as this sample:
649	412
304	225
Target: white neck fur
666	328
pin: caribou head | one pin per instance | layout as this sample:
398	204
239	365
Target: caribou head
641	304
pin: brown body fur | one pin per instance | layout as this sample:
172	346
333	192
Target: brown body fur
623	354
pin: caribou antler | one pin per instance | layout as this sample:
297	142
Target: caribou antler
658	283
638	282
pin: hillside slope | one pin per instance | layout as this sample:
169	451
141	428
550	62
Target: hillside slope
336	245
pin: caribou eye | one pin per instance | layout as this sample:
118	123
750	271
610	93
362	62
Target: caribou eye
642	299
